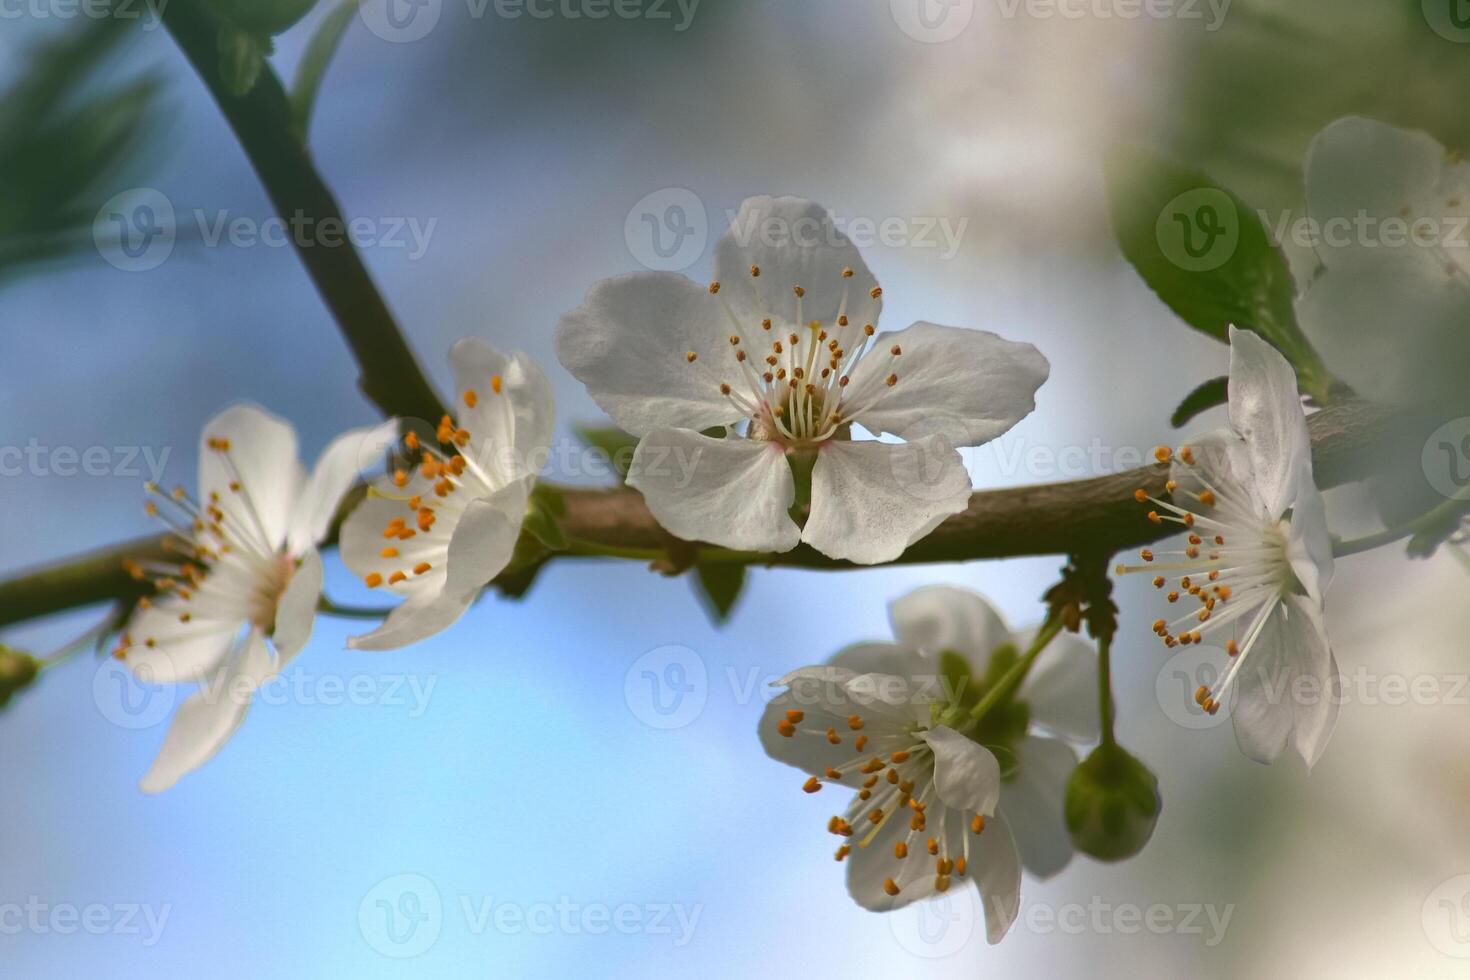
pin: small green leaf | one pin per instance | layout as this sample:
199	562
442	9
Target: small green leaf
314	62
1207	255
616	444
959	688
541	524
718	585
1213	392
241	59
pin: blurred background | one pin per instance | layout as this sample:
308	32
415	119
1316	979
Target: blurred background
517	761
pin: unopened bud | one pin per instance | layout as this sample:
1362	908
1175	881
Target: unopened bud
1112	804
17	671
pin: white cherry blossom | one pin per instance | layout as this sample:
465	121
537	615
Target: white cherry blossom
436	532
1389	308
783	349
941	797
238	603
1257	560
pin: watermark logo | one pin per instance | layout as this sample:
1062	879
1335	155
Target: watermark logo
1450	19
131	699
1446	459
1199	230
1446	917
401	21
667	687
135	230
401	916
667	231
1183	674
939	926
932	21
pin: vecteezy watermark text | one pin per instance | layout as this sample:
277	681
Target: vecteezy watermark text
38	917
149	12
403	915
128	462
403	21
137	230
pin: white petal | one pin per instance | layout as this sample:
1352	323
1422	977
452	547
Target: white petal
869	867
995	864
1359	166
730	492
1315	716
967	386
415	619
937	618
820	695
794	243
966	774
871	500
362	542
1035	801
899	699
629	343
1262	710
207	719
1387	317
1393	330
879	658
482	545
263	458
510	428
181	652
337	469
1061	687
1309	542
1266	409
1222	461
296	611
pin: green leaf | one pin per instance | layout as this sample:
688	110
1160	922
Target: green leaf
1207	255
959	688
615	443
718	585
67	144
314	62
541	524
241	59
1213	392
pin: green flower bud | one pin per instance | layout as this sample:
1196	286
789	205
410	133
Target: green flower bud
17	671
1112	804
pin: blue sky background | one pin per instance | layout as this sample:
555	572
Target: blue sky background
526	775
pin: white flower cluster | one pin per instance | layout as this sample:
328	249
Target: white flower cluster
806	426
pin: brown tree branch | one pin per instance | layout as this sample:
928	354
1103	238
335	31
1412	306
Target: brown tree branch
391	376
1096	516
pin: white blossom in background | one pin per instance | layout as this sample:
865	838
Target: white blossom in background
436	532
784	345
238	603
1388	311
940	798
1257	560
